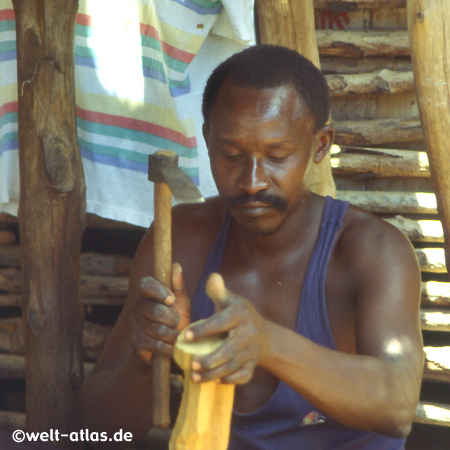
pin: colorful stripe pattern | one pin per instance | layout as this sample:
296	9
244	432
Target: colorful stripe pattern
131	60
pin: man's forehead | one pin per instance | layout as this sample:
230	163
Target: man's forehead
267	102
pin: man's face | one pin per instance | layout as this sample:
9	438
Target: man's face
262	146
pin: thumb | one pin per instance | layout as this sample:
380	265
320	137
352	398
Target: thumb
182	303
215	288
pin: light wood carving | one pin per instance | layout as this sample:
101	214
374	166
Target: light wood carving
204	418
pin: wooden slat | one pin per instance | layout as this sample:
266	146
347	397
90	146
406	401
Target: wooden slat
7	237
391	202
419	230
433	414
11	420
13	366
380	82
356	5
349	44
431	260
437	364
91	263
346	66
385	163
12	339
90	285
433	320
378	131
435	293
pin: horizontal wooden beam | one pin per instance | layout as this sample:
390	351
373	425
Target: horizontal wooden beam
12	420
12	338
346	66
433	414
13	366
391	202
378	131
357	44
433	320
437	364
380	82
435	293
357	5
380	162
419	230
431	260
91	263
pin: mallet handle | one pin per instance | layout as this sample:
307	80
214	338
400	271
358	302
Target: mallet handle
162	273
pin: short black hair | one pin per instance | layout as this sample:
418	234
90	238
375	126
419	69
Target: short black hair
267	66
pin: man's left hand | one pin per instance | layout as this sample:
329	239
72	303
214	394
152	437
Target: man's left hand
247	341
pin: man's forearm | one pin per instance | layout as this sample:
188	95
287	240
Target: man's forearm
359	391
117	399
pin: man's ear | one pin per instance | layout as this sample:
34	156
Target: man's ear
325	139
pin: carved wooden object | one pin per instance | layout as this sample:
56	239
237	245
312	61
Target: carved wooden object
204	418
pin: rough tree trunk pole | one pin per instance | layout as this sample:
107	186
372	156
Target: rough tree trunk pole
291	24
51	212
429	31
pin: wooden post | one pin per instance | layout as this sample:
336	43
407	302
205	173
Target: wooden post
291	24
428	24
51	212
204	418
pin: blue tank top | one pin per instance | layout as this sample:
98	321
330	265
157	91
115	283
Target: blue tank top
287	421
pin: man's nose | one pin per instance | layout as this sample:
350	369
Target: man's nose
254	177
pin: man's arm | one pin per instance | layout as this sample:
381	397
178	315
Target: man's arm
117	394
376	389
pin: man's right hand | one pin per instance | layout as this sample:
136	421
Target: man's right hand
159	314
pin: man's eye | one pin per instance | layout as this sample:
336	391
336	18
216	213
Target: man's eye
232	156
278	158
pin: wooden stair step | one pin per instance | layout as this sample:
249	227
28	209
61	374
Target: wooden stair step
356	5
435	293
433	414
435	320
358	44
382	82
437	364
383	202
419	230
378	131
380	162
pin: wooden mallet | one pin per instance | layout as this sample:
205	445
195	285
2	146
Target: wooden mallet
169	180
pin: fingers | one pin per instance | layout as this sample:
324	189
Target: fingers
154	319
215	288
238	370
182	303
150	288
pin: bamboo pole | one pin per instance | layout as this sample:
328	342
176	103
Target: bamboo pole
430	40
291	24
51	212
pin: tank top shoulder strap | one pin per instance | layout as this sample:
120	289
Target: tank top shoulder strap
312	318
202	306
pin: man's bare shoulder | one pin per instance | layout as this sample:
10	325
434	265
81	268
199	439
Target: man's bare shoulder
369	245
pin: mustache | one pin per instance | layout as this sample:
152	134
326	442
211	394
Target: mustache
269	199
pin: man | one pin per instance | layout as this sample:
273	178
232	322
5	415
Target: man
320	300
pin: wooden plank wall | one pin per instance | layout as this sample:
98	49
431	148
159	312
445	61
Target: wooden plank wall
380	164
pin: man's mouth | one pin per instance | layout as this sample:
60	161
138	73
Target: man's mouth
257	202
